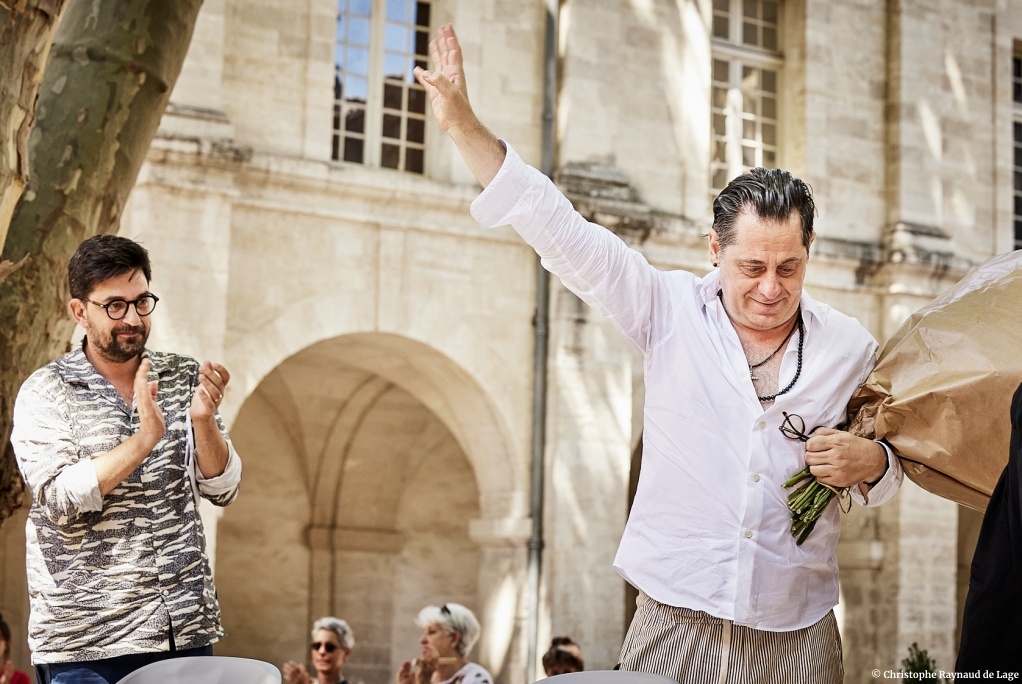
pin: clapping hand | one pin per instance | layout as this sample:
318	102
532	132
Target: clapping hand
213	379
420	670
150	415
295	673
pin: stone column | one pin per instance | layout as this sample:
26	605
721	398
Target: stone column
196	105
352	578
935	211
589	448
503	558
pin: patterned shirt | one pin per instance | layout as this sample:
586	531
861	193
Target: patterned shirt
113	575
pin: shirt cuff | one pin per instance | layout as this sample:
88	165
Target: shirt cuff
496	203
81	486
884	490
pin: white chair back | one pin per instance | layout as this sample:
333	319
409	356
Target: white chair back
608	677
205	670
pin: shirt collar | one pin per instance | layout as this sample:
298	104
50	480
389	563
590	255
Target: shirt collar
75	366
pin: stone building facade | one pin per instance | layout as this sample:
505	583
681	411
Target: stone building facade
309	227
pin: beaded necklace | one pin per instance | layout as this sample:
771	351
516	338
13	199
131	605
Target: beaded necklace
753	366
801	340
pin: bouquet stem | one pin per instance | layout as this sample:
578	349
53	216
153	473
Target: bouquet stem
806	503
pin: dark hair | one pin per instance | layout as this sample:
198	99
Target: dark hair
563	651
103	257
5	634
769	194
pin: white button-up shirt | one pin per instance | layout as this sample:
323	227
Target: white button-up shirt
709	528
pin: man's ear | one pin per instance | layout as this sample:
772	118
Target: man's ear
77	308
714	248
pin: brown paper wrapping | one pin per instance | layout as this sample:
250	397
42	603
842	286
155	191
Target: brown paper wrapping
941	391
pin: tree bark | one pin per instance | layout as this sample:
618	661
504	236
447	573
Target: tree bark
26	31
112	67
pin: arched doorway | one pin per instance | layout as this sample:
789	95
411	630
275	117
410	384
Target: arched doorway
369	462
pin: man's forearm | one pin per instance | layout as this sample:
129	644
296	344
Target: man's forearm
211	452
115	465
481	150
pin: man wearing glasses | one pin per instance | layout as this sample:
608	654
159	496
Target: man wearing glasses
727	592
116	443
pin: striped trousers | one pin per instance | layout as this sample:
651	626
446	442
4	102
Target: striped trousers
697	648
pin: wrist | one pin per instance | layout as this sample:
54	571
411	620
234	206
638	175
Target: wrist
146	440
881	472
206	420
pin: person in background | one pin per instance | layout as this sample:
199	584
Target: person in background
8	675
448	634
991	634
332	642
564	656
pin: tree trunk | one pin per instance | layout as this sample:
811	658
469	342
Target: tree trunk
26	31
111	70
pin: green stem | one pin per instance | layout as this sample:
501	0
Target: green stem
797	477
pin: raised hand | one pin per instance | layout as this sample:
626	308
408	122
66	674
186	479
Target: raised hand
406	675
448	95
213	379
445	86
294	673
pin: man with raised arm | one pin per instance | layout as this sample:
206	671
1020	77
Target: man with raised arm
116	443
726	591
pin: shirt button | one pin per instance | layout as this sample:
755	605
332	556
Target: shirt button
748	534
761	424
755	478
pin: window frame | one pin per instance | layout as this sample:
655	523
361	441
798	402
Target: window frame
739	56
376	82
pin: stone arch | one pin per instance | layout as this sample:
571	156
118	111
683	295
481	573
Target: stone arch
447	387
380	477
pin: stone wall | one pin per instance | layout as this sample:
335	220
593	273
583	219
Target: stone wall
380	342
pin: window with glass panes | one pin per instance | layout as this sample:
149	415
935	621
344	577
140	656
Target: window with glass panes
379	108
744	90
1016	94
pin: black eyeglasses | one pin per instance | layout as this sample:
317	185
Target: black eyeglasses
445	610
793	427
328	645
117	309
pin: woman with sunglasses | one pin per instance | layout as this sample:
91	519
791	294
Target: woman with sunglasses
332	642
448	634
